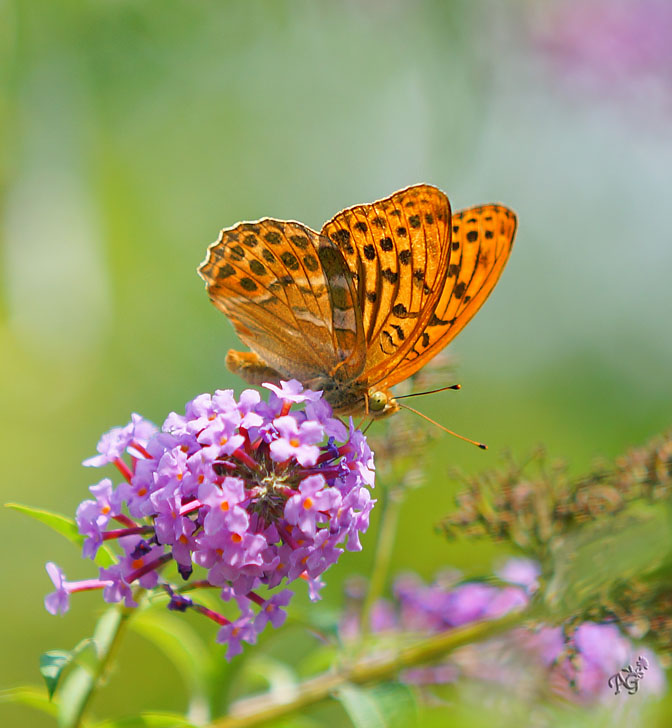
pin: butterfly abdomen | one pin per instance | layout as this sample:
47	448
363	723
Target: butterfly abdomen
251	367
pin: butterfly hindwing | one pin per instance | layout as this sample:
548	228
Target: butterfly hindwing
290	297
397	249
481	241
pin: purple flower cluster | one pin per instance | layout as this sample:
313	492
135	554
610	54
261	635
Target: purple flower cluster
577	666
446	603
254	494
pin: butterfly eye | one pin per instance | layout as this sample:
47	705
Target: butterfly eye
377	401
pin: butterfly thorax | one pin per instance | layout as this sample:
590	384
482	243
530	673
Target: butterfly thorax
355	398
346	397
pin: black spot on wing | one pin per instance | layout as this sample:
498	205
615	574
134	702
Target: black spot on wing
259	269
289	259
399	330
248	284
226	271
405	256
236	252
300	241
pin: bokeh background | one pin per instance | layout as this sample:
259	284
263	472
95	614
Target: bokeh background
133	131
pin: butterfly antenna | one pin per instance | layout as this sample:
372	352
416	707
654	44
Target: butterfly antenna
431	391
445	429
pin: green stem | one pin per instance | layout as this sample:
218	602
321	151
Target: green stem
258	709
82	685
383	556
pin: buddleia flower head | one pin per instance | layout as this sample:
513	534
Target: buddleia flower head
251	494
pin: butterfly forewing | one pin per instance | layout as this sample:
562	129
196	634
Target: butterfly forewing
397	249
290	296
481	240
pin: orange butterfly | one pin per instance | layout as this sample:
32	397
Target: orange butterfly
363	304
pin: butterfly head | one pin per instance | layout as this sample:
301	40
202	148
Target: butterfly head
381	404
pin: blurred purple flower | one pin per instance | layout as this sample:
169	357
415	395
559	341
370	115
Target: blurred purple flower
611	40
577	667
437	607
580	667
520	571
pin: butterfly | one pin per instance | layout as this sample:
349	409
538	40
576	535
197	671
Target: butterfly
364	303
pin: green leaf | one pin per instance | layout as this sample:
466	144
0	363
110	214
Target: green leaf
397	703
74	692
52	664
65	527
280	677
388	705
86	654
79	684
33	697
107	628
105	556
59	523
149	720
180	643
361	707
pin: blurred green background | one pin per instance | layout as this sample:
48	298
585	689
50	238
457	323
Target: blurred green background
133	131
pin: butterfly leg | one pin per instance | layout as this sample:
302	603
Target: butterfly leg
251	367
366	429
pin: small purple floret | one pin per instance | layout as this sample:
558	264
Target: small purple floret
57	602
